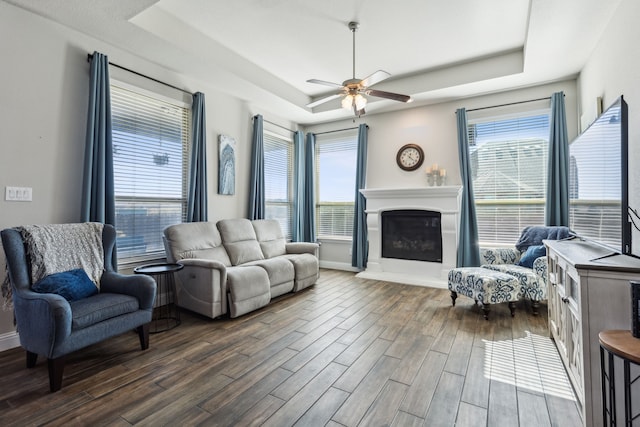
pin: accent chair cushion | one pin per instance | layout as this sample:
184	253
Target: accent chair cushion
73	285
532	253
100	307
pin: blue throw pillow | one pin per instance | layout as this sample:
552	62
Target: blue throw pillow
532	253
72	285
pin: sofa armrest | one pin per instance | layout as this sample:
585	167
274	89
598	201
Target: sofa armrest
202	286
499	255
302	248
139	285
540	268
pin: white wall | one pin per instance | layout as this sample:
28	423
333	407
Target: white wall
613	70
43	108
433	127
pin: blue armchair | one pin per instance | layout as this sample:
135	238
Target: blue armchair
50	325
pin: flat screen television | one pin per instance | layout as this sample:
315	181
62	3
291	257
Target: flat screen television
599	180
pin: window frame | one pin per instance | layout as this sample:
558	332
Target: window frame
158	252
349	136
498	236
289	203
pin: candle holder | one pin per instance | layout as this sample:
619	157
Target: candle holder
436	176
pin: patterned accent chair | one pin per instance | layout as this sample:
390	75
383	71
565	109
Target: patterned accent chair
526	261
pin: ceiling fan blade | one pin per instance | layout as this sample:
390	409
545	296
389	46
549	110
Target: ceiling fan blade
374	78
388	95
322	82
323	100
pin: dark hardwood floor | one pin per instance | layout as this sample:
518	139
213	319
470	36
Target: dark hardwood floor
344	352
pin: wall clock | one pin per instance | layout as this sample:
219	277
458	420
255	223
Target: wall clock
410	157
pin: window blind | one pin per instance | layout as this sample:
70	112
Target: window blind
336	156
508	157
278	180
150	159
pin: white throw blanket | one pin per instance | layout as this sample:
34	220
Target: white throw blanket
55	248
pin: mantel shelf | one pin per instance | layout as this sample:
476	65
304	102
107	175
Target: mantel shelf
399	193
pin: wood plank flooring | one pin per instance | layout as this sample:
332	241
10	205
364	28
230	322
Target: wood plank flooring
345	352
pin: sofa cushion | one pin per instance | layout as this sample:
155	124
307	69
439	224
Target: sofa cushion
195	240
240	241
100	307
306	268
248	289
72	285
280	272
270	237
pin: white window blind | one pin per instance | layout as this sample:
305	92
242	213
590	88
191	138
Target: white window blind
336	156
150	157
508	157
278	180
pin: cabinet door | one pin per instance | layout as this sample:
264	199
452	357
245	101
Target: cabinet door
553	300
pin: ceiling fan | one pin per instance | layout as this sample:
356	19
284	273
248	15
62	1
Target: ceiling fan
353	90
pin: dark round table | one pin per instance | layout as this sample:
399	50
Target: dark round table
165	314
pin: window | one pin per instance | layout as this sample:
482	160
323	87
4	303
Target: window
278	180
508	157
336	156
150	159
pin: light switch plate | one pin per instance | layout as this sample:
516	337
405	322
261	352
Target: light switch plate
18	194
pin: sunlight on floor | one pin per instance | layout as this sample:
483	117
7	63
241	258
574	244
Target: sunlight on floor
531	363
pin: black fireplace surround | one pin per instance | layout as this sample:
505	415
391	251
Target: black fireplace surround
412	234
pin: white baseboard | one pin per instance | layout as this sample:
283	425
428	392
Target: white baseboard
332	265
9	340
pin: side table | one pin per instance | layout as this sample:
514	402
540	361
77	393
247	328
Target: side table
621	344
166	314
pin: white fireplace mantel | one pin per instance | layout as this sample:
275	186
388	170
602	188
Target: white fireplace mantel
443	199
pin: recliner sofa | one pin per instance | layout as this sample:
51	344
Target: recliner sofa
236	266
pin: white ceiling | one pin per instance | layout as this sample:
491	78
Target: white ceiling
263	51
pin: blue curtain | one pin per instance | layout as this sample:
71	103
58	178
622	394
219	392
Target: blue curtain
468	249
557	207
256	185
197	197
298	187
309	223
98	195
359	244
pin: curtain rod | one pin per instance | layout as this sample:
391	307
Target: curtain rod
275	124
510	103
337	130
90	55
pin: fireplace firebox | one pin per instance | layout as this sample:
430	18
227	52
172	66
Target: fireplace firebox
412	234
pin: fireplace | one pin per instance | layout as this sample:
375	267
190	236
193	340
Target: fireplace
412	256
412	234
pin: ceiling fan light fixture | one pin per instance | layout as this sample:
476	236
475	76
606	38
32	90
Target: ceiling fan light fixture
347	102
360	102
353	89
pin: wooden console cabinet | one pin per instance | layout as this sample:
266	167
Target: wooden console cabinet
588	292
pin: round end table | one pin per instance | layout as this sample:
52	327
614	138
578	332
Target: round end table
165	314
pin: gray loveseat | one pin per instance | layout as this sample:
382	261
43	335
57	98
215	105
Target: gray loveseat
236	266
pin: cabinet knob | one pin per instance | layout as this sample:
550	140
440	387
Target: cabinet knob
565	300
